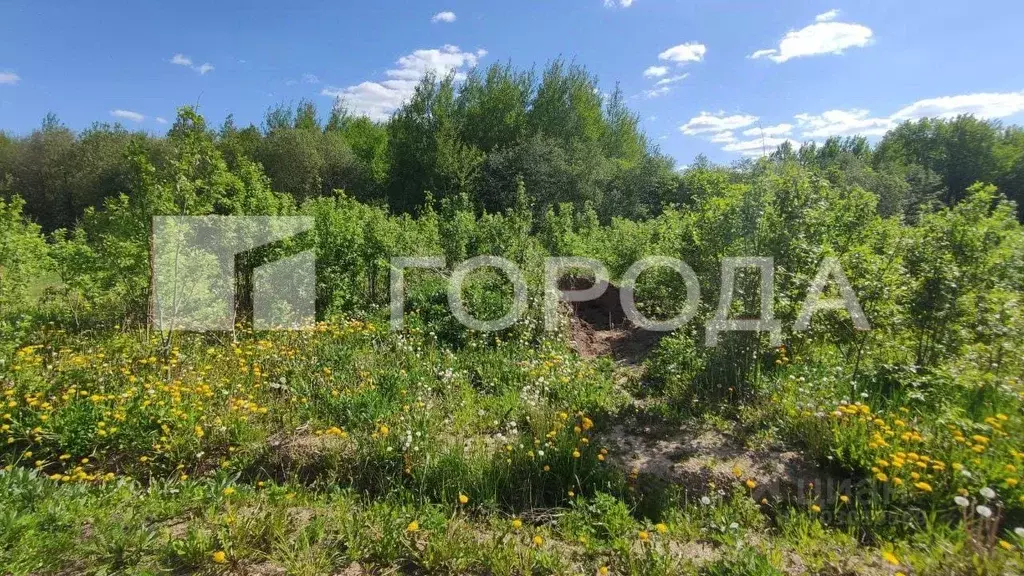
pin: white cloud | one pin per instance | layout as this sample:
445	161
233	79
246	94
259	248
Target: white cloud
672	80
823	37
182	60
982	105
706	122
379	99
655	71
827	16
623	3
127	115
777	130
757	146
842	123
655	92
161	120
445	16
9	78
310	79
690	52
723	137
989	105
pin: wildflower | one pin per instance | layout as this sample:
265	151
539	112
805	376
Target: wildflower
517	524
603	571
575	453
881	477
229	491
983	511
547	468
383	430
890	558
844	499
538	541
923	486
1019	532
961	501
705	500
661	528
815	508
413	526
988	493
219	557
643	536
463	499
751	483
1005	545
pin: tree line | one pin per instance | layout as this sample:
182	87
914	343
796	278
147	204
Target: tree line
476	140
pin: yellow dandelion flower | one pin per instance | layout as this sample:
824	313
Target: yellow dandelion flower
219	557
413	526
643	536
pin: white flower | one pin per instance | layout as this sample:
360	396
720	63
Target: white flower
983	511
1019	532
988	493
962	502
705	500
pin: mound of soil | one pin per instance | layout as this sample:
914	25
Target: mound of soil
599	327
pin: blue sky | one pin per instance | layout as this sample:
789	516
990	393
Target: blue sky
821	68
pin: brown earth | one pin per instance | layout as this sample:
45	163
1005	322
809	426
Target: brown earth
600	327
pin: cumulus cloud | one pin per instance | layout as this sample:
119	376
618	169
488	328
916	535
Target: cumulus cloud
183	60
827	16
689	52
777	130
9	78
445	16
825	36
757	146
856	121
379	99
982	105
842	123
706	122
655	71
656	92
127	115
672	80
723	137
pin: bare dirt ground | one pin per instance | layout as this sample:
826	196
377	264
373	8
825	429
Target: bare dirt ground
600	328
